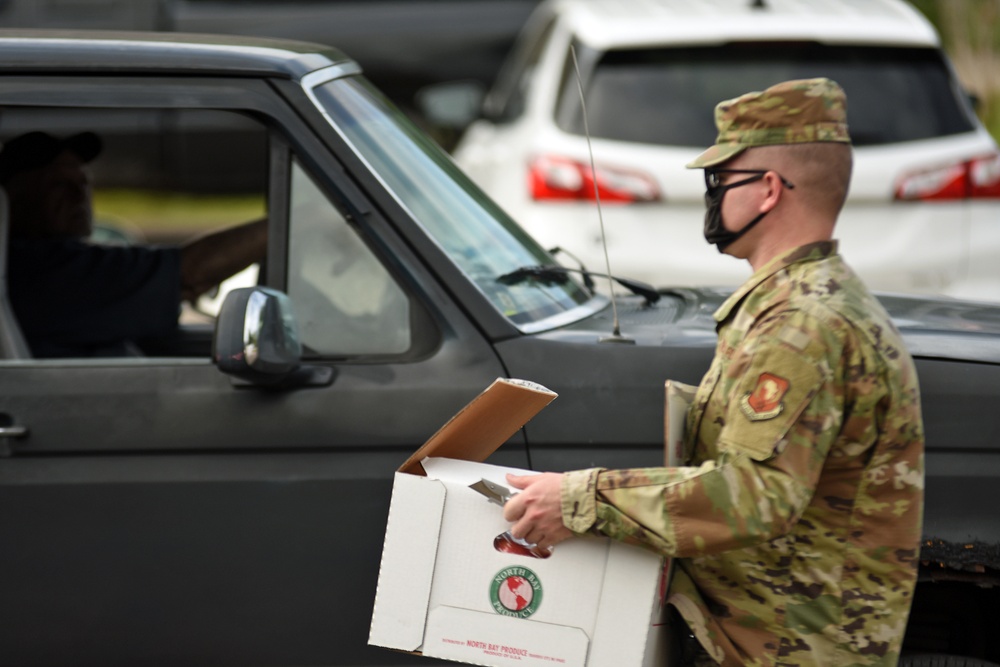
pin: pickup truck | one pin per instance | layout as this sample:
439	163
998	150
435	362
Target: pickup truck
184	505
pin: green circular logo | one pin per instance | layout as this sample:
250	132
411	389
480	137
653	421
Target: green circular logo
516	591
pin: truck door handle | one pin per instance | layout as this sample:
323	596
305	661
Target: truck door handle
10	431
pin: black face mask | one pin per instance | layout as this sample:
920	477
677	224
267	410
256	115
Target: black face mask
715	232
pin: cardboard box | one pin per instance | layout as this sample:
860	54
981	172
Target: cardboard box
449	586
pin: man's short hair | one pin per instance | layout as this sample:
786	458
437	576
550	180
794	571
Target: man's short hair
37	149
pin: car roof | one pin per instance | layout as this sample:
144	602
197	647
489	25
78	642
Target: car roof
619	23
40	51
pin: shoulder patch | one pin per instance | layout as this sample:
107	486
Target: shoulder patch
765	401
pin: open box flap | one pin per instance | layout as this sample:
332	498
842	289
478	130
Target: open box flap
407	567
618	639
484	424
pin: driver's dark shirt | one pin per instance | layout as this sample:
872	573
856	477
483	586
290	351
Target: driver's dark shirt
73	299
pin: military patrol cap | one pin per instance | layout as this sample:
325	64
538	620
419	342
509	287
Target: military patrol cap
793	112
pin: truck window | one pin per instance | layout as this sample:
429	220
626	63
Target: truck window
157	179
346	302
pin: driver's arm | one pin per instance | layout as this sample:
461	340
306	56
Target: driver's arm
208	260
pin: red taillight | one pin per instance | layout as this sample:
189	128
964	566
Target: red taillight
973	179
554	178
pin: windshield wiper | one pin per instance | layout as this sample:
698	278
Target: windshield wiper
551	274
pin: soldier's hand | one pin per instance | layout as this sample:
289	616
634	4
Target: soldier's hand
536	511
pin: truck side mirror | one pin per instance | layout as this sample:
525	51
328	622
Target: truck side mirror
257	342
452	105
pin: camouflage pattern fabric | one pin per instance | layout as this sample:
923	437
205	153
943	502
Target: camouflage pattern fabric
792	112
797	523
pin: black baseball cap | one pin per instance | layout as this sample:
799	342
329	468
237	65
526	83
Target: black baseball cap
37	149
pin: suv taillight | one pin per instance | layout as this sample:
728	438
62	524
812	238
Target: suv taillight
973	179
555	178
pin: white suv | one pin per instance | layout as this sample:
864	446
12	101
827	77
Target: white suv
924	209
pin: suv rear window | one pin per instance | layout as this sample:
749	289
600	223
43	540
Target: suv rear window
667	95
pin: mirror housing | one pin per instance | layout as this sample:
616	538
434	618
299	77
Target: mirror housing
452	104
257	342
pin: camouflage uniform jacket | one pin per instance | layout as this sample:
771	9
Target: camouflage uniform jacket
797	523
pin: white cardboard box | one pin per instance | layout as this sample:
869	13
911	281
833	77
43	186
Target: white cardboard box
446	591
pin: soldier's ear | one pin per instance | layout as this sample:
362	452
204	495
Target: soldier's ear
773	190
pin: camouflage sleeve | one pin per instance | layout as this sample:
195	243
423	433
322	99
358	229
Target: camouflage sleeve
579	504
772	448
627	505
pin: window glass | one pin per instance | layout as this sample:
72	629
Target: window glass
474	231
98	231
346	302
667	96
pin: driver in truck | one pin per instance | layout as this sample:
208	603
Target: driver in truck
74	298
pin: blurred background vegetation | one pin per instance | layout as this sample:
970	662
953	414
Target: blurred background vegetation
970	32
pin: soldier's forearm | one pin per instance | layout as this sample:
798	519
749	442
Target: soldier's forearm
690	511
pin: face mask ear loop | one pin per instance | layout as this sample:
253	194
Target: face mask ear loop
735	236
746	228
723	238
749	225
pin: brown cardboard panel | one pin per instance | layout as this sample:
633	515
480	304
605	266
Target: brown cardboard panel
487	422
679	397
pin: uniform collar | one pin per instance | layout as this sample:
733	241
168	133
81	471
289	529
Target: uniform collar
810	252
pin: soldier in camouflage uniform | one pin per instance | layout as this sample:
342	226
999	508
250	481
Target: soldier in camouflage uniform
797	521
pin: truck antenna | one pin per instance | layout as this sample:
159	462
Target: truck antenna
616	336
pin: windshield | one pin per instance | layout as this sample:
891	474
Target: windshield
669	95
475	233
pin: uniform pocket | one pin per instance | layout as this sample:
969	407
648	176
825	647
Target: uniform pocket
768	400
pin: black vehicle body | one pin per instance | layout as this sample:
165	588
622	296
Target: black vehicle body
155	510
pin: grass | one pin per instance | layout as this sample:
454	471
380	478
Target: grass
989	114
970	34
159	217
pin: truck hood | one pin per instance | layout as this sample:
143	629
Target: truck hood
940	328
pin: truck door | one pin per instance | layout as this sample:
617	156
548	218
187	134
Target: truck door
155	511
